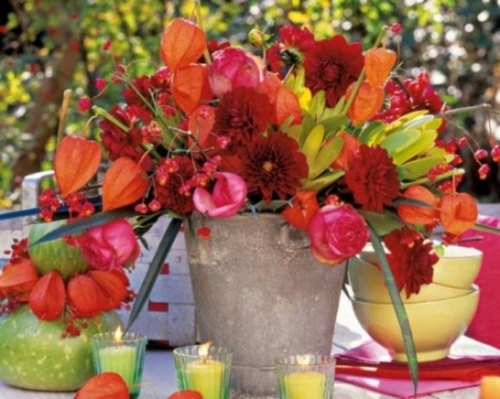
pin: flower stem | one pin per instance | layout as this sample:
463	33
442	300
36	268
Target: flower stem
199	19
480	107
63	115
106	115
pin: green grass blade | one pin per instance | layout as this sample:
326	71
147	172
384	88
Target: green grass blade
398	308
154	269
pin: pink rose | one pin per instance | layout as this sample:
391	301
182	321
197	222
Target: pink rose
227	197
337	233
232	68
110	246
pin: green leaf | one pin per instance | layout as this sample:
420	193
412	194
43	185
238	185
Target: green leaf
325	157
273	206
399	308
383	222
313	143
399	141
318	104
486	228
334	123
415	169
154	269
86	223
419	122
323	181
425	142
373	133
307	125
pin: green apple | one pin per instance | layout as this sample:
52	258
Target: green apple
54	254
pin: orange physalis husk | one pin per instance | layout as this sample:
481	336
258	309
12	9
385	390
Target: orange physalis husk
414	214
201	122
75	162
190	86
182	43
48	296
85	297
18	278
490	387
458	213
378	65
285	102
304	207
368	101
113	284
124	183
348	153
104	386
186	394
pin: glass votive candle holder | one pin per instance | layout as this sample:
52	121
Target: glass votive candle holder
204	368
305	376
122	354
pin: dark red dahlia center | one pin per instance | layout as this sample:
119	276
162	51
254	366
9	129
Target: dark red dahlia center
331	72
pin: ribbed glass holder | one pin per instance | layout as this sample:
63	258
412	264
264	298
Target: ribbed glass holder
124	357
209	373
305	376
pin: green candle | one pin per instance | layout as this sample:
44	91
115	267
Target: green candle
305	385
206	376
119	359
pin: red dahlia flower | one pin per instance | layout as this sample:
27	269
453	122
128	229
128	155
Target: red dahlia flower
373	178
332	65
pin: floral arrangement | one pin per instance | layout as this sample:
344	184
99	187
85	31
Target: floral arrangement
333	137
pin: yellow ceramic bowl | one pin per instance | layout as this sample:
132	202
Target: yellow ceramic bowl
435	325
368	285
458	267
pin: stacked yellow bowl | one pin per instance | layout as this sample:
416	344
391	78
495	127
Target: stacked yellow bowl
438	315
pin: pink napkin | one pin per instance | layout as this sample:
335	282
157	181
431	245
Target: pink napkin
370	366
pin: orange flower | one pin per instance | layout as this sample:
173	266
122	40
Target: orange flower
76	161
182	43
378	65
348	153
186	394
415	214
113	284
201	122
368	101
304	206
18	278
85	297
458	213
190	86
490	387
104	386
48	296
124	183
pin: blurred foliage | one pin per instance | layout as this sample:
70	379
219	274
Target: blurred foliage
456	40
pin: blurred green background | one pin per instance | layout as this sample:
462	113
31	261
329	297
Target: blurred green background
48	46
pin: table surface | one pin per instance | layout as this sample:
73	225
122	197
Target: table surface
159	375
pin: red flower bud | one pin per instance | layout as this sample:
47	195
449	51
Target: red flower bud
104	386
458	213
85	297
18	278
113	284
48	296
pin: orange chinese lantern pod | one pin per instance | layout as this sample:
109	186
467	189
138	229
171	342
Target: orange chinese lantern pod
75	162
200	124
366	104
113	284
104	386
490	387
85	297
182	43
18	278
190	86
186	394
378	65
348	153
458	213
415	214
124	183
48	296
285	102
304	206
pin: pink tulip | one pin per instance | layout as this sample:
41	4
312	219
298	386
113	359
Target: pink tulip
232	68
337	233
110	246
227	197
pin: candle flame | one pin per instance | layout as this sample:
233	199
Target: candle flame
118	335
303	360
203	349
